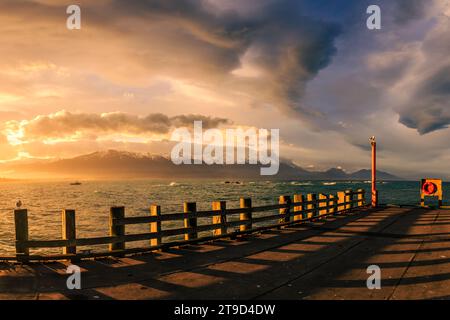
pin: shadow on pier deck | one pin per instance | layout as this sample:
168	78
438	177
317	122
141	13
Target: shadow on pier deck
321	260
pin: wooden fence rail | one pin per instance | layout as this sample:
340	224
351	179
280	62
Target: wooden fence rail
291	210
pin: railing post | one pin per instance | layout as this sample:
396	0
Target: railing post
299	198
361	197
115	230
21	225
336	204
341	201
323	204
155	211
220	219
286	211
312	206
348	199
331	204
68	230
246	203
190	208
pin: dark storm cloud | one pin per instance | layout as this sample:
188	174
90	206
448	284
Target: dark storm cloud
403	67
290	40
288	45
430	110
438	85
409	10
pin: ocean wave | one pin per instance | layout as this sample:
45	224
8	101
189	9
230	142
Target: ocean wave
297	183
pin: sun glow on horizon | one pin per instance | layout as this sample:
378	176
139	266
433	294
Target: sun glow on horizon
23	155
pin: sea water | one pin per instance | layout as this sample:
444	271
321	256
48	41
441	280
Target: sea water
92	201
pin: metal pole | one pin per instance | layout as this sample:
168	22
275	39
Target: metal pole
374	172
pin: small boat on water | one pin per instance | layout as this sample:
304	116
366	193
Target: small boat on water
76	183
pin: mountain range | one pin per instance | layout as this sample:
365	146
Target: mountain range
113	164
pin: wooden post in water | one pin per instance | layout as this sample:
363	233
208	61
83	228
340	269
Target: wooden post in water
220	219
298	198
68	230
246	203
312	207
341	201
155	211
116	230
21	225
286	211
323	204
190	208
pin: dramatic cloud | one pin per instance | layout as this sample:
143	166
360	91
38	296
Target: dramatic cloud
409	10
268	56
64	124
428	83
429	109
308	67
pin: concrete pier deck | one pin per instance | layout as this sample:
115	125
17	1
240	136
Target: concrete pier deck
321	260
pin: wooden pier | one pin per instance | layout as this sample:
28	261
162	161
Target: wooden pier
324	258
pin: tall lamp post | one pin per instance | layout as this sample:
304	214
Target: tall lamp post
373	142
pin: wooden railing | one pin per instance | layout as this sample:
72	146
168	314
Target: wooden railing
291	211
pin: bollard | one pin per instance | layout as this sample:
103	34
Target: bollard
21	225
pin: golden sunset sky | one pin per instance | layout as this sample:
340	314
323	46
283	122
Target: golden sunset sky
138	69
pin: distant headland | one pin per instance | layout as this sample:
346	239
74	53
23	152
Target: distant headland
120	164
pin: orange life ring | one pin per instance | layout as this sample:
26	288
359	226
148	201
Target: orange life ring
429	188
